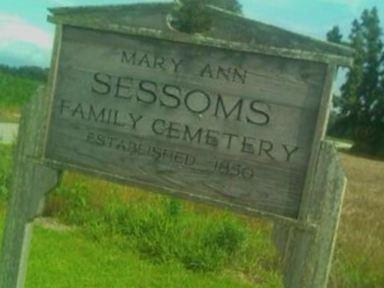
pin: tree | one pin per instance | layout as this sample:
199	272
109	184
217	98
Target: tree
350	103
31	72
369	127
191	16
334	35
360	107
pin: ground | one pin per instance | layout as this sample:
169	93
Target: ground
66	256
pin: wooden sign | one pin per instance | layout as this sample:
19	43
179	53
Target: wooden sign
234	117
216	123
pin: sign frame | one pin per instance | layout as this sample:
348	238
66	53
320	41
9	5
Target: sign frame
62	19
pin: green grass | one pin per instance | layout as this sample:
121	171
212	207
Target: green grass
126	237
70	259
164	230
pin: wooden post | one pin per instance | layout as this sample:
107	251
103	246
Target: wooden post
307	253
30	182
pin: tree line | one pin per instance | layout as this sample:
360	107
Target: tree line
359	109
31	72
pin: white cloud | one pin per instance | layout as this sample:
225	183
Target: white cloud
15	29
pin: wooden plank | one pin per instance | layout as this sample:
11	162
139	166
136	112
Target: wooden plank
237	127
320	131
51	87
266	76
295	244
30	183
308	254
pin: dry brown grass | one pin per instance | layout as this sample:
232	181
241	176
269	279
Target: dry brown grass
359	259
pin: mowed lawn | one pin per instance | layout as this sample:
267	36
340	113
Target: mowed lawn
62	258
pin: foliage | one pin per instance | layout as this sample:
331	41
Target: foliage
361	104
334	35
191	15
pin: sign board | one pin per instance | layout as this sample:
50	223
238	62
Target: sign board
200	121
228	118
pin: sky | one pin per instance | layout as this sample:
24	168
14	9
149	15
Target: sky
26	37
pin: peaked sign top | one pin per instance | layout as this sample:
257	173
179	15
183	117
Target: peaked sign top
228	30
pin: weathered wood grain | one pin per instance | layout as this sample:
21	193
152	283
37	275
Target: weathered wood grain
286	94
320	131
267	76
30	182
307	254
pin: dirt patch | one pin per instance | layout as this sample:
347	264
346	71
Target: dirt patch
53	224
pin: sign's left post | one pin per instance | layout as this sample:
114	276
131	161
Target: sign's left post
31	181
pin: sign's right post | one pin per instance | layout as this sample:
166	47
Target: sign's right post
307	250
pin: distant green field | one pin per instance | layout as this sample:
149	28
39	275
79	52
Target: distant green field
15	91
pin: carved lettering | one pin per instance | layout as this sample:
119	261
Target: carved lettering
172	96
151	61
289	151
227	74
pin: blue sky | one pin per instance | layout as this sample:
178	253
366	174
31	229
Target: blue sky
26	37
